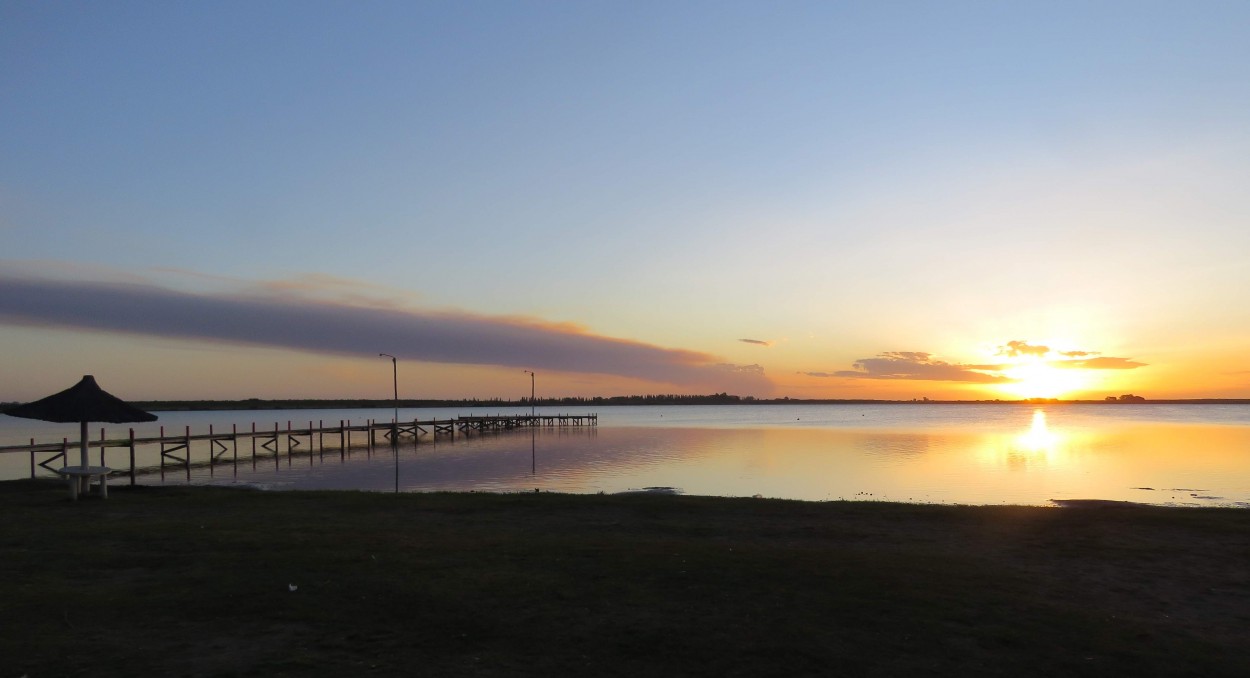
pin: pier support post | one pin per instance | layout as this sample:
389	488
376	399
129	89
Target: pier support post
186	463
132	457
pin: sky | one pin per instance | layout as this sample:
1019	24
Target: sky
896	200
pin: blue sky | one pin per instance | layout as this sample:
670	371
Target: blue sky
838	180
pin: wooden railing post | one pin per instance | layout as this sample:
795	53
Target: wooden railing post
132	457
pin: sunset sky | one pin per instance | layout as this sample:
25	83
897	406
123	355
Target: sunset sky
808	199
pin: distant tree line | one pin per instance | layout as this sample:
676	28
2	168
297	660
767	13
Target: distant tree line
369	403
1126	398
311	404
664	399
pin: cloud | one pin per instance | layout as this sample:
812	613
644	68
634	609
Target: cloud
922	366
1014	349
758	342
919	366
1105	363
335	327
308	286
740	369
1080	359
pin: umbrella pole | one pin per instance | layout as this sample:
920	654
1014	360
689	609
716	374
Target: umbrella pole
84	481
85	462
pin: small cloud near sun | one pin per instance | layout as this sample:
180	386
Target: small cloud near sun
1105	363
1015	349
1021	366
757	342
1075	359
920	366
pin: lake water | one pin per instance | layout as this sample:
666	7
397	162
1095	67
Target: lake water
1186	455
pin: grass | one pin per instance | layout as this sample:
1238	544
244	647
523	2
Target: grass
197	582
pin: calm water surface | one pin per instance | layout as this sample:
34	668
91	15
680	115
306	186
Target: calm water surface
1191	455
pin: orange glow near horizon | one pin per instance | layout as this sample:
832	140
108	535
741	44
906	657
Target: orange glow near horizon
1038	379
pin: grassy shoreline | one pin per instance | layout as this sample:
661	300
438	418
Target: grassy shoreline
197	582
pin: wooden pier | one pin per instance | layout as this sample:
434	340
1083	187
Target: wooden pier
496	423
175	448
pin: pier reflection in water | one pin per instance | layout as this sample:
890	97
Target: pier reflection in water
1032	461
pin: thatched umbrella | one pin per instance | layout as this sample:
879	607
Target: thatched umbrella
83	402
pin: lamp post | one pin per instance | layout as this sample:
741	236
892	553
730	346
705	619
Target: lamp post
394	383
395	421
533	427
531	373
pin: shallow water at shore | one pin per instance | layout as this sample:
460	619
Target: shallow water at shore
968	454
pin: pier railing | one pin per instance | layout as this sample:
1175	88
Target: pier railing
175	448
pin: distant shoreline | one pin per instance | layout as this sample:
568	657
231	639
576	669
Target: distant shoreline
344	404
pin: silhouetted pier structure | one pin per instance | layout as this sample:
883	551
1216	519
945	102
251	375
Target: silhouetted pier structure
497	422
175	448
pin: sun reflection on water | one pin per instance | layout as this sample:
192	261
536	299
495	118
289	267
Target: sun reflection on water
1039	439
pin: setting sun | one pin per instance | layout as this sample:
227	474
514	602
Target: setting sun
1037	379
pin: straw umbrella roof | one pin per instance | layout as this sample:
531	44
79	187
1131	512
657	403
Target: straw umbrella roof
82	402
